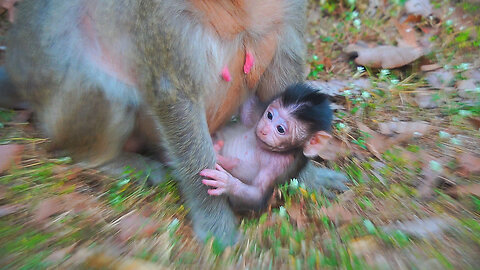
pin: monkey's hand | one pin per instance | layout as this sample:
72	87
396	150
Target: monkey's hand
219	178
323	179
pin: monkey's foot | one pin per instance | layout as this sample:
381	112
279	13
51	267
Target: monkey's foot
323	179
154	171
214	221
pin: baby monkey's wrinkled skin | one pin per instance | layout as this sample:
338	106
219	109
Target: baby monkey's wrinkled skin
254	155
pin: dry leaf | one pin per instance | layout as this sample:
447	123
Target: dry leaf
407	33
412	128
58	255
429	181
384	56
373	6
75	202
426	100
473	74
462	21
378	143
475	121
10	154
419	7
48	207
336	149
105	261
422	228
135	224
9	209
430	67
413	18
473	189
468	164
364	245
466	88
297	213
337	213
440	78
361	83
331	88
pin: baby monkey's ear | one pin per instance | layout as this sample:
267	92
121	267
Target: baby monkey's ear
315	144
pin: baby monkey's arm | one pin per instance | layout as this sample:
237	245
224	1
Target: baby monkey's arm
241	195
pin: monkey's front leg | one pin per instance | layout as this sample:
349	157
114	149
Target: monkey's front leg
187	140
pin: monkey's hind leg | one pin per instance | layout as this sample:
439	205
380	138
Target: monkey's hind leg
143	168
323	179
93	130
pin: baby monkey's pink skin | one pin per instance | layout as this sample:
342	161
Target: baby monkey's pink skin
252	157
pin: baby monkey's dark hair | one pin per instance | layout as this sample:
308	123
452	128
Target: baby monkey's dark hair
311	106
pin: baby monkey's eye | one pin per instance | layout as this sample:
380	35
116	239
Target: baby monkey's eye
269	115
280	129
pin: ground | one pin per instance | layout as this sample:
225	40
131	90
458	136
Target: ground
406	134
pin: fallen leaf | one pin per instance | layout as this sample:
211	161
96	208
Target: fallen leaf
461	20
411	128
377	143
384	56
465	190
327	62
10	154
440	78
413	18
407	33
364	245
361	83
48	207
429	181
419	7
430	67
336	149
133	224
9	209
426	100
60	254
75	202
373	6
331	88
473	74
297	213
337	213
467	88
475	121
422	228
105	261
468	164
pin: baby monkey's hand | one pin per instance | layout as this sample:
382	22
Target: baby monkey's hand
222	180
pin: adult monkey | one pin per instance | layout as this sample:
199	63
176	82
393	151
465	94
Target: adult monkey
100	72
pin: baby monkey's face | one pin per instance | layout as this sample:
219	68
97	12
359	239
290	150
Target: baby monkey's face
278	129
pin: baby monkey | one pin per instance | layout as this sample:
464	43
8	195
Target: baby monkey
268	149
